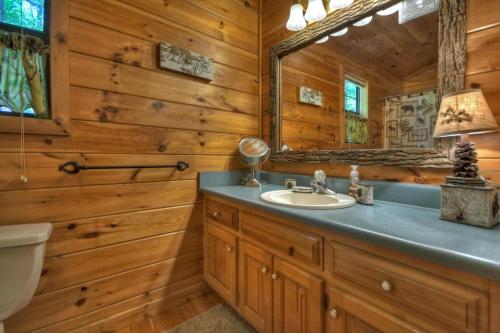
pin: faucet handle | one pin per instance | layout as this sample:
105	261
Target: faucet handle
320	175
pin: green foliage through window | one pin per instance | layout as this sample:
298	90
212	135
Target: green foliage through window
352	97
28	14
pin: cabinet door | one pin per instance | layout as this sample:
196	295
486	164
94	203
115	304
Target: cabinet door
298	299
349	314
221	262
255	290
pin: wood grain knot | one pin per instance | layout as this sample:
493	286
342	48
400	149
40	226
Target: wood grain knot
92	235
158	105
161	148
71	226
61	38
81	301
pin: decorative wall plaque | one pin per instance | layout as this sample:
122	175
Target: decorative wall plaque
187	62
310	96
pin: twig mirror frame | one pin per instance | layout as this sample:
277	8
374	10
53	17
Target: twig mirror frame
452	53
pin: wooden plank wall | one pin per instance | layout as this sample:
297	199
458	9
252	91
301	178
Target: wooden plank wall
483	39
129	243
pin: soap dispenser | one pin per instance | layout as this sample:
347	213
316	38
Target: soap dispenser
353	188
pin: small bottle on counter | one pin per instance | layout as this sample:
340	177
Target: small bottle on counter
353	188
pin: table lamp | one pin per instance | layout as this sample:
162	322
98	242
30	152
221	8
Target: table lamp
466	197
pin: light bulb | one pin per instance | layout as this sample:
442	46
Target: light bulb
296	20
389	11
315	11
339	4
322	40
363	21
340	32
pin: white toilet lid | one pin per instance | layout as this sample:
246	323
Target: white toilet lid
24	234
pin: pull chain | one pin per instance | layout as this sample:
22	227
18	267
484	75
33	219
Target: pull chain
24	176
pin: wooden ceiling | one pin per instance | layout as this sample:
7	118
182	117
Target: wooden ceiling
401	49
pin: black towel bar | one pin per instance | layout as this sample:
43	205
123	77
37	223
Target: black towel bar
73	167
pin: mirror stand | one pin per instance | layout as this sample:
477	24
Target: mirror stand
253	182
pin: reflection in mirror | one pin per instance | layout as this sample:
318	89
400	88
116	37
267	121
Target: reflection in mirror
372	85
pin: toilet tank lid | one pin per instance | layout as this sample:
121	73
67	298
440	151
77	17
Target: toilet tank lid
24	234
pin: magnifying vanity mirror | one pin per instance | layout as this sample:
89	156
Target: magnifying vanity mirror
363	85
253	152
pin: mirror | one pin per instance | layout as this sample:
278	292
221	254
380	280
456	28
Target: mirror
253	152
365	90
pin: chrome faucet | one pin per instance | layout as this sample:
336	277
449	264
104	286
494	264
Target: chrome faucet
319	183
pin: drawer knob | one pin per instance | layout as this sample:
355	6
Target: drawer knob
275	276
291	251
215	214
229	248
264	269
334	313
386	286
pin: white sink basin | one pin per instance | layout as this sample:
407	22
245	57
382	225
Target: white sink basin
307	200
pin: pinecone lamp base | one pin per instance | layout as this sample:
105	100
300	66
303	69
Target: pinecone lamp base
466	197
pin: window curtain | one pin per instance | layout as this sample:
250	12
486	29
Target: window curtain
23	82
356	129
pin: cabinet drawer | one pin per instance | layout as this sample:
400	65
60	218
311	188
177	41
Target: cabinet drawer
222	214
451	304
294	243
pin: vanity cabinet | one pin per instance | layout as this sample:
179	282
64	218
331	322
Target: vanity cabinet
350	314
255	288
220	262
439	300
284	276
276	296
298	299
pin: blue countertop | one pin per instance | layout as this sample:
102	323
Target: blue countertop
410	229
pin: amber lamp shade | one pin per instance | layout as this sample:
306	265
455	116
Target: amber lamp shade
463	113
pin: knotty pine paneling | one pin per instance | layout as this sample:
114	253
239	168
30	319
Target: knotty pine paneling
139	23
483	19
121	314
127	243
97	294
44	175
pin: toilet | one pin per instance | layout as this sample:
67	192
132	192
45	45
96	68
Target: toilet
22	249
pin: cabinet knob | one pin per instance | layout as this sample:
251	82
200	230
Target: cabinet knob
334	313
215	214
264	269
229	248
386	286
275	276
291	251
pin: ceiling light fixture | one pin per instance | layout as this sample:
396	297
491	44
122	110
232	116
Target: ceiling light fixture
315	11
339	4
389	11
296	21
322	40
363	21
340	32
